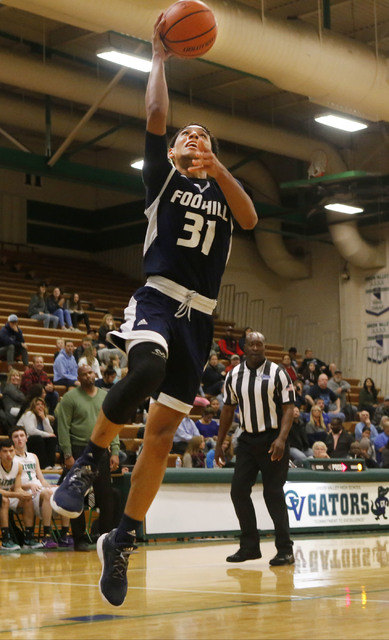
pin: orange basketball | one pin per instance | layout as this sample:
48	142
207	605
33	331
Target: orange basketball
190	28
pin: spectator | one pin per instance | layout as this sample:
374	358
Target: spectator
300	401
319	449
368	397
60	343
363	424
108	379
12	343
36	374
381	411
338	440
331	400
298	439
229	455
207	426
106	348
365	451
385	456
13	397
77	413
114	363
77	311
382	439
309	357
65	367
316	428
37	309
235	360
293	357
185	432
89	357
194	455
229	345
41	438
79	351
56	306
214	403
213	376
242	339
288	367
310	376
342	389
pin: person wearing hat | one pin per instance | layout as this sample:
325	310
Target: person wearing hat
37	309
12	342
382	411
235	359
342	389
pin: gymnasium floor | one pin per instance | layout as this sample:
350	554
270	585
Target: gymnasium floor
338	588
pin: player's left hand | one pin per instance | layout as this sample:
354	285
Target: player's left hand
277	450
205	160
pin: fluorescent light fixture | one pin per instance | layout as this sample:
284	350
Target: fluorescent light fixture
341	123
125	59
138	164
343	208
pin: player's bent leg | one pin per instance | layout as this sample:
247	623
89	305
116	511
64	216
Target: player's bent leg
114	548
147	365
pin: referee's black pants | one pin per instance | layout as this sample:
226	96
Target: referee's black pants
252	456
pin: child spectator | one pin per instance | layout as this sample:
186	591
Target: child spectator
194	455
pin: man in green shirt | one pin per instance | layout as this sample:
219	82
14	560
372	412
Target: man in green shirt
76	414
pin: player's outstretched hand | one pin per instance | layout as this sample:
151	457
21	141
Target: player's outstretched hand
158	47
205	161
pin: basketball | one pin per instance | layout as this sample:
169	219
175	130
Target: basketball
190	28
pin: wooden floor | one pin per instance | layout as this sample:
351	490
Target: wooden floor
338	589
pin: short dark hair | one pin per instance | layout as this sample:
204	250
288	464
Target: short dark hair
6	443
110	371
214	140
16	428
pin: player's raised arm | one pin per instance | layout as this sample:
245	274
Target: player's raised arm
157	98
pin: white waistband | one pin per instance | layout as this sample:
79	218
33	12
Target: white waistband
187	297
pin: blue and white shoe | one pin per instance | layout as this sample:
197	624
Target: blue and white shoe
114	560
68	499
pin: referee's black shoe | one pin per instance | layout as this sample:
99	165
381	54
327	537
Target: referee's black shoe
242	555
282	559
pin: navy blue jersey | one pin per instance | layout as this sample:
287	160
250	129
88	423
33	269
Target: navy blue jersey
189	233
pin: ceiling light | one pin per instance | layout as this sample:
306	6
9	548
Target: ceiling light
341	123
138	164
343	208
125	59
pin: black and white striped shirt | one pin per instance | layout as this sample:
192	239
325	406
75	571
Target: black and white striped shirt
260	394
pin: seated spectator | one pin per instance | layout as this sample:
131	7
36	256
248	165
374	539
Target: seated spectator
114	363
185	432
242	339
194	455
213	376
292	351
79	351
14	497
229	455
214	403
364	424
319	449
65	367
342	388
382	439
385	456
108	379
13	397
35	391
338	440
299	395
60	343
89	357
77	311
41	491
368	453
37	309
41	438
298	439
106	348
207	426
12	345
229	345
382	411
331	400
316	428
56	306
310	376
309	357
288	367
368	397
235	360
36	374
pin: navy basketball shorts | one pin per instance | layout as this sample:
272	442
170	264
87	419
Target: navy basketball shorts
150	317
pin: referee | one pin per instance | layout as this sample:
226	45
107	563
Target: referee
265	396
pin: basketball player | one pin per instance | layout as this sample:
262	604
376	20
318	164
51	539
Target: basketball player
190	202
13	496
34	482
